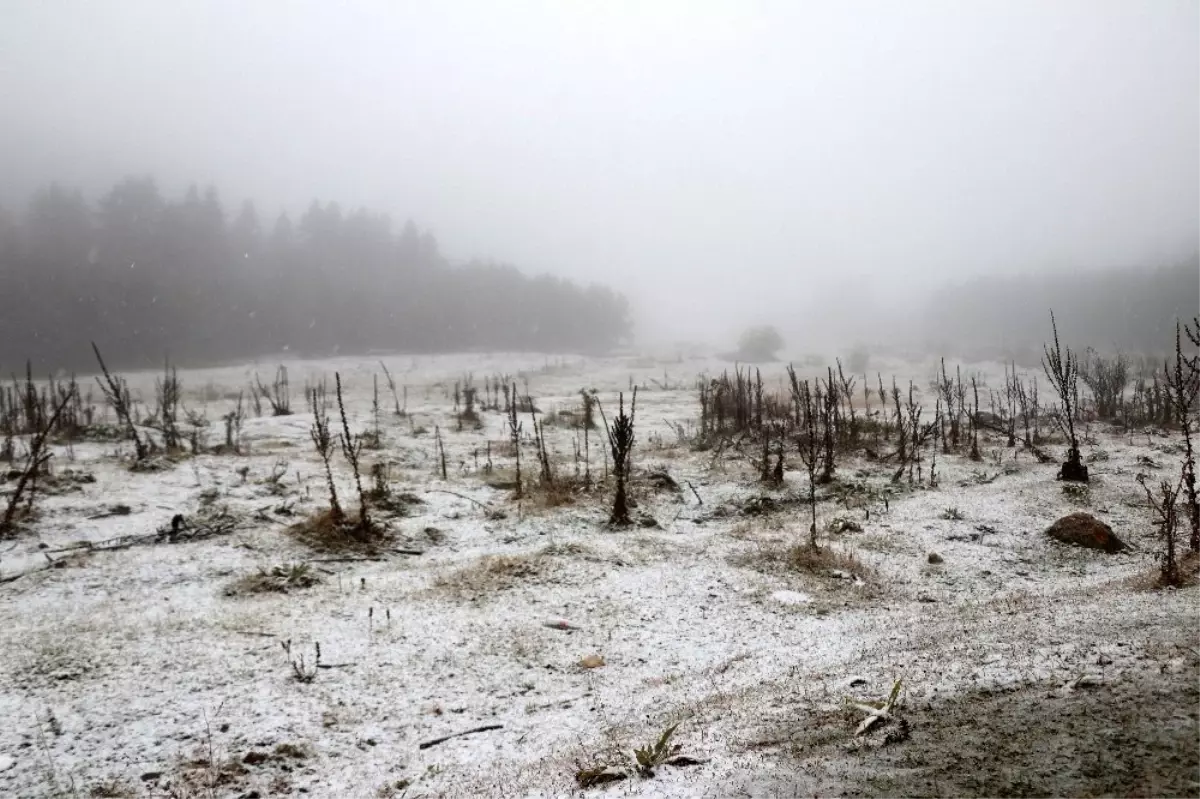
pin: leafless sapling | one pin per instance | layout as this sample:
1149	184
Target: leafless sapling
1164	506
352	447
322	439
116	392
1062	369
1107	380
809	444
514	430
37	458
392	386
168	392
278	395
1183	387
620	441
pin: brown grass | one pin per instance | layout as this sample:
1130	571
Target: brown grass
803	559
325	532
1189	575
565	490
493	573
275	580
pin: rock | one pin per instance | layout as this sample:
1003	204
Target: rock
6	763
935	558
1085	530
592	661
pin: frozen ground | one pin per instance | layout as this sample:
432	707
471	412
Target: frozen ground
1028	668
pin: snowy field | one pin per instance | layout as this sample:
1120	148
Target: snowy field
1028	667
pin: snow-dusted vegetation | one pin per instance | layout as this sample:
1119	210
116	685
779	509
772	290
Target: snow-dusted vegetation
466	620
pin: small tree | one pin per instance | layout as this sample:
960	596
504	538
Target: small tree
1062	368
36	459
1164	508
1107	380
322	440
116	392
759	344
352	447
620	441
1183	387
809	442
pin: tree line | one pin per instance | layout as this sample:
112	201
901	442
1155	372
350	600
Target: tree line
146	276
1132	310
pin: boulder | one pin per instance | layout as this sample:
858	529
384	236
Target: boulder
1085	530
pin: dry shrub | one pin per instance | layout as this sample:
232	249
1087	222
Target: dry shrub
805	559
826	561
493	573
567	550
564	490
1187	567
278	580
330	531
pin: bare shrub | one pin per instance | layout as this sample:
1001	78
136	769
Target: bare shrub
35	462
620	441
116	392
1163	503
168	392
1107	378
278	394
1062	369
759	344
492	573
808	442
278	579
828	561
352	447
323	442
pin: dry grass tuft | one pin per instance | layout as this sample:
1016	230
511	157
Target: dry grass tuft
493	573
565	490
278	580
326	531
828	562
1189	575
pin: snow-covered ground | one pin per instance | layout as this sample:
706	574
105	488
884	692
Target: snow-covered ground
1028	667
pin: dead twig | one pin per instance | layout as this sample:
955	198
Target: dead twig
443	739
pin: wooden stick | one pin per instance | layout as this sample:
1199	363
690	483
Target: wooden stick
442	740
460	496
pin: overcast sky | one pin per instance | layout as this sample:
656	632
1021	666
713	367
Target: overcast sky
697	154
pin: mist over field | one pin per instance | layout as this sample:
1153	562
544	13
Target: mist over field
595	398
225	180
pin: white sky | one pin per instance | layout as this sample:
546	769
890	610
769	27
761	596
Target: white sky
723	162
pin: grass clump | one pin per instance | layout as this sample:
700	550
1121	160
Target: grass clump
836	564
493	573
828	562
329	531
278	579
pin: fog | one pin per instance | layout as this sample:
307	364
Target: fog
721	163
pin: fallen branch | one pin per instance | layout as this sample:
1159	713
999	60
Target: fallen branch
442	740
487	508
346	560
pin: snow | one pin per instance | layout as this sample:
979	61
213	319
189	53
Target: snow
125	663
